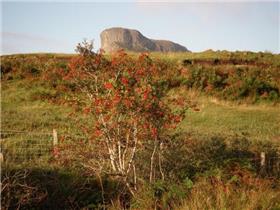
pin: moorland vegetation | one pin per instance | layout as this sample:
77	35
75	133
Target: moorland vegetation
141	131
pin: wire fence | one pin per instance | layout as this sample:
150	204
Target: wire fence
18	147
266	164
24	147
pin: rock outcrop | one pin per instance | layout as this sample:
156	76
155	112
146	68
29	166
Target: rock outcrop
113	39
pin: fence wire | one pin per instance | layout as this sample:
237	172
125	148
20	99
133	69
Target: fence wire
23	147
18	147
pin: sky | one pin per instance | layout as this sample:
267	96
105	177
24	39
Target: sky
51	26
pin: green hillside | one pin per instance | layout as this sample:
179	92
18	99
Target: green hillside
232	115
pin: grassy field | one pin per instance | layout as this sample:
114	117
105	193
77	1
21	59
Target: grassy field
21	111
213	117
213	157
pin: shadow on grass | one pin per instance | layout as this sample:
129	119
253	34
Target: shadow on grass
188	157
38	188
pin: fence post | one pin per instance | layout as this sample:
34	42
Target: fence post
1	157
54	137
262	162
55	141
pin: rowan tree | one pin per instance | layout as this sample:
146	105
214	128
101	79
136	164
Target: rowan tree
124	100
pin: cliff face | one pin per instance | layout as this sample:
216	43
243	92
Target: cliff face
120	38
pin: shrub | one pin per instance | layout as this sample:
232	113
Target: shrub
124	102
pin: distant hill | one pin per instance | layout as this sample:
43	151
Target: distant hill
113	39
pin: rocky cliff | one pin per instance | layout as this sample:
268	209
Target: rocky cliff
113	39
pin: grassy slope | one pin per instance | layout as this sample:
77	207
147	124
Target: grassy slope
272	59
209	117
21	110
27	122
212	117
257	123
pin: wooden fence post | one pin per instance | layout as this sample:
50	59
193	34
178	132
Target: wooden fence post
55	141
54	137
1	157
262	162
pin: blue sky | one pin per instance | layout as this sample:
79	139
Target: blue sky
58	27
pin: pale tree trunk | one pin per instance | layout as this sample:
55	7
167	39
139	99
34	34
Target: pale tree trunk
160	160
110	145
135	140
134	177
152	161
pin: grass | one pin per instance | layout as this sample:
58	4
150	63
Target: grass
31	105
258	122
178	57
225	196
23	111
26	106
28	122
212	117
